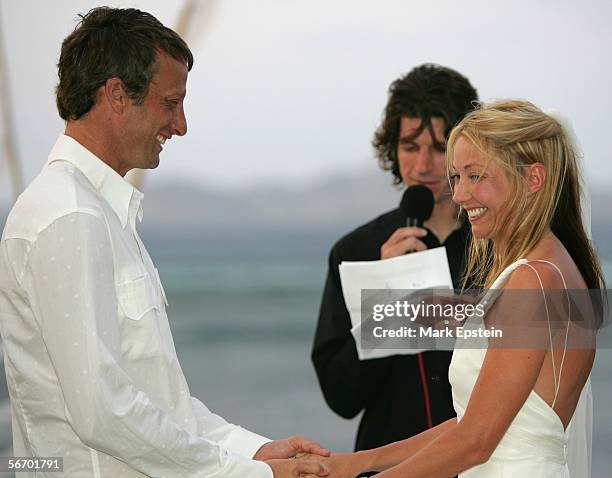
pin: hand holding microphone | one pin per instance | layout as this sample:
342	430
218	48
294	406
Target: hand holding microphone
417	205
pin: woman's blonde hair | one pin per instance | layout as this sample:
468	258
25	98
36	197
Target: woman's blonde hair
515	134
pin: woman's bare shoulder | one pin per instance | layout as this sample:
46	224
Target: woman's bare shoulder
537	274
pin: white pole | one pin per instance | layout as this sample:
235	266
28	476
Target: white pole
7	132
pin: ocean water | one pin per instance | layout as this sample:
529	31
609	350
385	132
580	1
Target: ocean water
243	329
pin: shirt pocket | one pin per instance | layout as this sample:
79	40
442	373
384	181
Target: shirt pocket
139	314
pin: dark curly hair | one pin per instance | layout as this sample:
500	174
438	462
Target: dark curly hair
112	42
428	91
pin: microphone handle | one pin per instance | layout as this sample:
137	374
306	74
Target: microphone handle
414	222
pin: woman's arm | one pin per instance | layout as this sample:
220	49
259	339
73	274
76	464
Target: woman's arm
378	459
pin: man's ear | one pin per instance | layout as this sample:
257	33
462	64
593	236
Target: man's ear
535	175
115	95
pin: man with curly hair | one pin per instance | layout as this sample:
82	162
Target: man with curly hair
400	395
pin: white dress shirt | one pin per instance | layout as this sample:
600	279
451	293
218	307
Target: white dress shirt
91	367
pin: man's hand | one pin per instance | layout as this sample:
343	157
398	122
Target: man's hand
307	467
403	240
288	448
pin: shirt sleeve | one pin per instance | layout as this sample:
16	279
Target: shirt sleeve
231	437
69	278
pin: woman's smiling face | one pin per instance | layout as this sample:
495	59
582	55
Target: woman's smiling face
481	187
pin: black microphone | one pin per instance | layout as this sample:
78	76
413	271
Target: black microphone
417	205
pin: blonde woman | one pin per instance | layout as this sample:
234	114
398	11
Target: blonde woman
514	170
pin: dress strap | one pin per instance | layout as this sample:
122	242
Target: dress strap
556	267
557	381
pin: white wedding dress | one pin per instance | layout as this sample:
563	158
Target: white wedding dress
535	445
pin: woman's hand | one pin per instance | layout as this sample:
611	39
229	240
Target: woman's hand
346	465
309	466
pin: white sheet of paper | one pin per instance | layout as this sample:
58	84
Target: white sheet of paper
428	269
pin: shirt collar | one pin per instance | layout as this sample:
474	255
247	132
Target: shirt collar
124	198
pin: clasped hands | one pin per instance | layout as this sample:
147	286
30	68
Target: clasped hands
300	457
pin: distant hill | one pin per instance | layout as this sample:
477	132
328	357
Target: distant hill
281	220
322	205
263	220
182	219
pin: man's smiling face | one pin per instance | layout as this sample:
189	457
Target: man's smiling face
149	125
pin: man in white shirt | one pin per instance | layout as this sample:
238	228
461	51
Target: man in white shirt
92	372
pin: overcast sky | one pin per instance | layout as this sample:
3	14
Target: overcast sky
291	90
